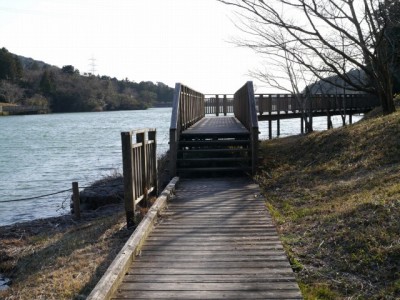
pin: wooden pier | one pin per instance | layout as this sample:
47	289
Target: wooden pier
216	239
206	145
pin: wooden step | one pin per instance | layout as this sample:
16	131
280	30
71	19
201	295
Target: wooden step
214	150
215	159
191	136
222	143
226	169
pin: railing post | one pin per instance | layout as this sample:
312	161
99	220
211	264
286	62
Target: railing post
173	151
261	104
225	106
127	159
153	159
217	105
141	138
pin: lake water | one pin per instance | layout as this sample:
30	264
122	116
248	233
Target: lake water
43	154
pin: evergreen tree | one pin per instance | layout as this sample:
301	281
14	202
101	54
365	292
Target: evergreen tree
10	66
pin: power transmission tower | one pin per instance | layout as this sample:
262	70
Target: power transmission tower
92	65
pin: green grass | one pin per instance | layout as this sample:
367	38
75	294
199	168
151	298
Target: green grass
335	197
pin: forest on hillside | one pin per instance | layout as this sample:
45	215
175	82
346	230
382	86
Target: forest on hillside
25	81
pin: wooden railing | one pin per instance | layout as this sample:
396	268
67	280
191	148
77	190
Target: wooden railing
289	103
244	108
139	160
217	104
187	109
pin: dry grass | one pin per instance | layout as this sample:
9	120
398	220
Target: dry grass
60	258
335	196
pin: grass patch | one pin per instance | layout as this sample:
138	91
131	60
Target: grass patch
335	197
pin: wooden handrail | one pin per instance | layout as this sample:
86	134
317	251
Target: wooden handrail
218	103
244	108
291	103
187	109
139	161
274	103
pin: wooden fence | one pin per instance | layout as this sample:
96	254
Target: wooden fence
244	108
139	161
289	103
216	104
187	109
292	104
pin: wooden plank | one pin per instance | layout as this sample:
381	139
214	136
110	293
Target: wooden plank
210	286
216	125
207	247
220	252
183	240
212	278
218	265
146	257
208	271
205	295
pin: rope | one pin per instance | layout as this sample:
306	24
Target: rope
60	192
36	197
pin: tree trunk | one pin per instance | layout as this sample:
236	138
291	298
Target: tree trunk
384	82
385	94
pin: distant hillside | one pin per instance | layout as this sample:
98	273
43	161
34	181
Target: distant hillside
336	85
32	64
27	81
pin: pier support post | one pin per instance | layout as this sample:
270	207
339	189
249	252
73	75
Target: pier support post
278	126
301	125
329	122
270	129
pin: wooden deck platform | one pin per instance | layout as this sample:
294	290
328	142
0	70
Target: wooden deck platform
217	126
216	241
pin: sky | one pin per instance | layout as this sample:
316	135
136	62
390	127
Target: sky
169	41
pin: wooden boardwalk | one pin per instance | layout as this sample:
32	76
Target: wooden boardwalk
215	241
216	125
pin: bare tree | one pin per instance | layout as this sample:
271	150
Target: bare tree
283	73
320	35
